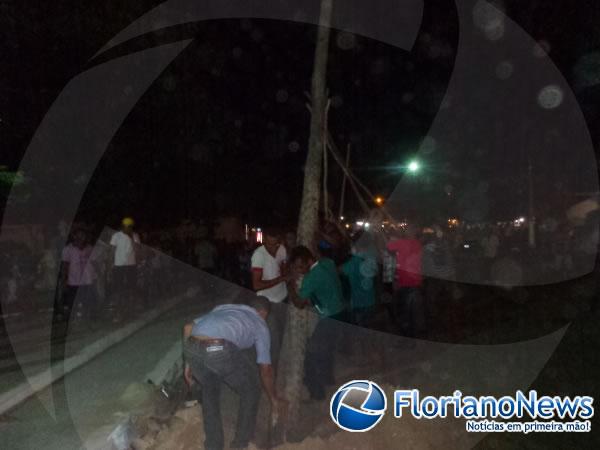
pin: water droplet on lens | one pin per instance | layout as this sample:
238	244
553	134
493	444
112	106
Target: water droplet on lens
504	70
282	96
294	146
550	97
346	41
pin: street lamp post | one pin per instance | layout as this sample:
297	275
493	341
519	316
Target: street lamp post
531	221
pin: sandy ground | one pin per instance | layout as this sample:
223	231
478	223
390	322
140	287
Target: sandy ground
184	431
436	368
429	368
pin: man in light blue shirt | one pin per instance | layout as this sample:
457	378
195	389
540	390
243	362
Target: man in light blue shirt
213	347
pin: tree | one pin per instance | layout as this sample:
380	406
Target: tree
298	326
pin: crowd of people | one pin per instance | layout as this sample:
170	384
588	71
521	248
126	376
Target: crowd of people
400	279
392	271
95	276
340	277
397	279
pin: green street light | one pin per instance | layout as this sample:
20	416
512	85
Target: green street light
413	166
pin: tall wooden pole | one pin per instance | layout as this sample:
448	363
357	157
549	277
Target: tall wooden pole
291	368
309	210
343	193
531	212
325	168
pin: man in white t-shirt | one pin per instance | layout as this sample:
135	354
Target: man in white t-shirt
124	274
269	277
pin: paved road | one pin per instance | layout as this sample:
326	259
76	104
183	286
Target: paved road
39	342
89	398
33	335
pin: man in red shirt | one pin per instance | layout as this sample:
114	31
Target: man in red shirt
408	278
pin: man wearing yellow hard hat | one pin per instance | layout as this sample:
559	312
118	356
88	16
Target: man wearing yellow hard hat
124	244
128	223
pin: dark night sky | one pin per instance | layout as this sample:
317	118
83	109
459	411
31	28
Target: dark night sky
225	127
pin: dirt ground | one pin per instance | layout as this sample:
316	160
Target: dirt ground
519	351
184	431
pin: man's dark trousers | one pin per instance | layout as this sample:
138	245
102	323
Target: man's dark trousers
320	355
212	365
276	323
406	301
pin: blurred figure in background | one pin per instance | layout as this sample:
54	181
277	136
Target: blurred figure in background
439	272
388	274
47	267
245	259
361	271
124	244
489	244
79	278
290	242
408	279
562	248
205	252
333	242
10	282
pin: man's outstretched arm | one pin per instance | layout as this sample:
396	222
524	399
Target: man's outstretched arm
295	297
187	371
258	284
267	378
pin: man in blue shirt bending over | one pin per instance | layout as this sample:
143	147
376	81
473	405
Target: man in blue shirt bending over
213	347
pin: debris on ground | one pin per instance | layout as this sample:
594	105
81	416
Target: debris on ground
185	431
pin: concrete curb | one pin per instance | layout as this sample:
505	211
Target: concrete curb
165	368
36	383
118	436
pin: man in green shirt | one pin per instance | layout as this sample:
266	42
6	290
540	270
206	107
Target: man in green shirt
321	288
360	270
